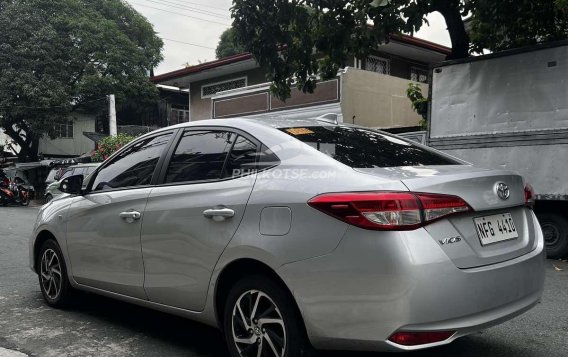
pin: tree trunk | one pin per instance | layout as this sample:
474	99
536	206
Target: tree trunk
456	27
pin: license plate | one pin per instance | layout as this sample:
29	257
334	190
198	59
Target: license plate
495	228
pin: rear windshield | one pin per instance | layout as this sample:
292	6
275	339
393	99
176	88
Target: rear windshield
361	148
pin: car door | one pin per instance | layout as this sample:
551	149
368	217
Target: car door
103	227
191	217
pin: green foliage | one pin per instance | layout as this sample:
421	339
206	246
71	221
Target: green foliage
109	145
499	25
297	40
228	44
419	103
301	39
63	55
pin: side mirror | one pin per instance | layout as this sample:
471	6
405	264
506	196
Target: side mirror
72	184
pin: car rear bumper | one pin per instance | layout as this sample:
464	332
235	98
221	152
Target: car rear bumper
372	286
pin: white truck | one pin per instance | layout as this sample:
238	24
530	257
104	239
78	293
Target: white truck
510	110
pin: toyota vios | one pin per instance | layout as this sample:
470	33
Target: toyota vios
289	235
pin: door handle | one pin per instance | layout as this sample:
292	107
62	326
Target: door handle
130	216
219	214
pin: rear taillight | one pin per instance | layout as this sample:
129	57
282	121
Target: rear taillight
420	338
529	196
388	210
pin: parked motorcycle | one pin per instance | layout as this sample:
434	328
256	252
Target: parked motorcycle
14	192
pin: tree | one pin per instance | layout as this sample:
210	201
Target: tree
499	25
60	56
419	103
298	40
302	39
228	44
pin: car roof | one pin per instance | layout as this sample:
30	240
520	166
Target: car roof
95	164
276	123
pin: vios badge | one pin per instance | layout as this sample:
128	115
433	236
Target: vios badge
502	190
450	240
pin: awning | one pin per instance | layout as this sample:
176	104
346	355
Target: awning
96	137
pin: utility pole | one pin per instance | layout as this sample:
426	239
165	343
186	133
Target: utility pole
112	115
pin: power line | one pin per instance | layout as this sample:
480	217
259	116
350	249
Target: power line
209	6
177	13
188	43
184	7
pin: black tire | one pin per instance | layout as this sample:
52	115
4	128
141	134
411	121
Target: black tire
296	343
48	198
48	277
555	230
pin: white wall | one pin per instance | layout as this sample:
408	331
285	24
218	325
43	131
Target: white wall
5	138
75	146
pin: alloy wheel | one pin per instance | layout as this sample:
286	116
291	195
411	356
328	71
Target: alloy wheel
50	270
257	326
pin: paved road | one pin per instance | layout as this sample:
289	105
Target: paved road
98	326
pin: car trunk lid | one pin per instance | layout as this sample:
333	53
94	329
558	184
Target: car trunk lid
485	235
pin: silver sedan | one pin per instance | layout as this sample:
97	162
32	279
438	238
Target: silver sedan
293	235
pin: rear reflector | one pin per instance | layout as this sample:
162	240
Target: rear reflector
388	210
420	338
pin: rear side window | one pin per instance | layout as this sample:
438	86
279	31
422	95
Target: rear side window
361	148
200	156
242	159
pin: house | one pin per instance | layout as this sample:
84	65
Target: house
369	91
69	140
84	129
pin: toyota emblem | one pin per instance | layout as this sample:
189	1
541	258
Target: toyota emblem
502	190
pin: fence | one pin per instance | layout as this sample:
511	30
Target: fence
134	130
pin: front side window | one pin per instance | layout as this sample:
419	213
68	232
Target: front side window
89	170
66	173
200	156
134	166
362	148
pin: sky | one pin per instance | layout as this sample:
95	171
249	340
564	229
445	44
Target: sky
191	29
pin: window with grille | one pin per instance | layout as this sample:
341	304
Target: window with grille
418	75
179	114
209	90
64	131
377	64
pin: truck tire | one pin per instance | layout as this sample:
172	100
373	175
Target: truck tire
555	230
